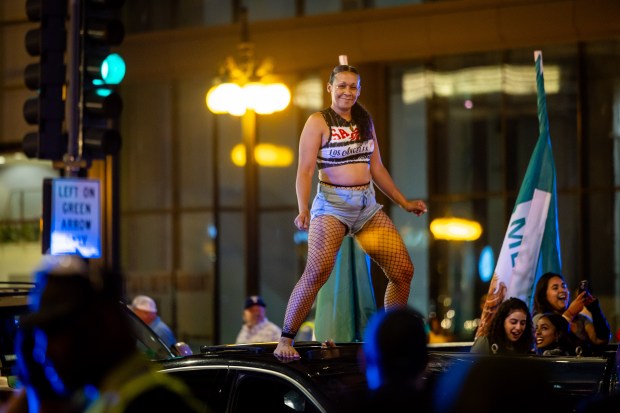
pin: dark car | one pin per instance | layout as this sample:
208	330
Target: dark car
248	378
573	380
13	304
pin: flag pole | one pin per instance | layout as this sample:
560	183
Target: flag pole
531	245
543	118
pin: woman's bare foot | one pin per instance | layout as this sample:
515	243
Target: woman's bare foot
285	349
329	343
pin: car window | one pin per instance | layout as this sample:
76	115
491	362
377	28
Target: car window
147	341
208	385
256	392
13	304
8	329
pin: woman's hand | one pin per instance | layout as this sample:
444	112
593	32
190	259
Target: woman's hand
302	222
415	206
576	306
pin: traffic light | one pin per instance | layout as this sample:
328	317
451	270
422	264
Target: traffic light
48	77
101	72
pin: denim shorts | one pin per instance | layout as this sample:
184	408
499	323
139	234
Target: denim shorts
352	207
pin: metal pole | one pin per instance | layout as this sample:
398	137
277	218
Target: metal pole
74	147
248	126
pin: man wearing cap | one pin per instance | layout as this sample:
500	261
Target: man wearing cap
146	309
256	327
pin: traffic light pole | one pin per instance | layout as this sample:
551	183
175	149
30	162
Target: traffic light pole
73	157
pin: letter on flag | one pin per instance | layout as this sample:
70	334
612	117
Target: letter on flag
531	245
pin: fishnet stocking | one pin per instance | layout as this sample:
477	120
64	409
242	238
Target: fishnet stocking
324	239
378	238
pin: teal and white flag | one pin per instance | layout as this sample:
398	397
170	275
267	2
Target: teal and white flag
532	242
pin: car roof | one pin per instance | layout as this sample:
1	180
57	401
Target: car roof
314	360
329	375
572	377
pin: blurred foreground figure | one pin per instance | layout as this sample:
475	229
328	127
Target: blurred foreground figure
395	358
84	343
494	384
36	393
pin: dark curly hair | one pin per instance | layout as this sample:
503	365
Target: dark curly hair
497	334
360	116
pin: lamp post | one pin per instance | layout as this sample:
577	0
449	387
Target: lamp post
246	89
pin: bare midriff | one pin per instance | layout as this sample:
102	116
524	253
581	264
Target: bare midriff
346	175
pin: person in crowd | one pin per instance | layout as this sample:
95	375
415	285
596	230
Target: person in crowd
146	309
511	330
587	334
341	142
256	327
551	335
85	344
436	333
394	359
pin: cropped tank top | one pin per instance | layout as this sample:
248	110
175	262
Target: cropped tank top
345	145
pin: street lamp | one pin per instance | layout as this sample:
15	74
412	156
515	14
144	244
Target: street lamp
244	88
456	229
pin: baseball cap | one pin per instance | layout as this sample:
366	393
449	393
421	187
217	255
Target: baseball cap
144	303
254	300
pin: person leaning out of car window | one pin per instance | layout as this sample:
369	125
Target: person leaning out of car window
552	335
589	334
511	331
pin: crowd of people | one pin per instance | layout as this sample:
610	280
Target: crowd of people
555	326
74	316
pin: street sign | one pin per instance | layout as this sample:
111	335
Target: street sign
73	217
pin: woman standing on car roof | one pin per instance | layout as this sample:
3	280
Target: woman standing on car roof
341	142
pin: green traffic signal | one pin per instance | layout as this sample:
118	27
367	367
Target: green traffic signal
107	71
102	71
113	69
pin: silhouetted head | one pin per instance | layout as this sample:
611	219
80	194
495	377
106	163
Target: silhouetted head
74	316
395	347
